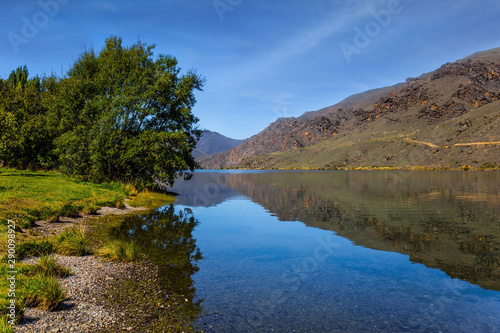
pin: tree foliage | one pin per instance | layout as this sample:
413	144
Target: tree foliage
25	140
119	115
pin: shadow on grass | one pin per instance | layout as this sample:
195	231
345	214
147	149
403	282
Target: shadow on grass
24	175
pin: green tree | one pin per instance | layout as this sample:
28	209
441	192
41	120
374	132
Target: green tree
24	139
121	115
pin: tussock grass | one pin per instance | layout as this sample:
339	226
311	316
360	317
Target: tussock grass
48	266
90	208
43	292
119	250
31	248
5	327
36	286
72	242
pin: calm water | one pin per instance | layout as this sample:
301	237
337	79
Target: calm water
335	251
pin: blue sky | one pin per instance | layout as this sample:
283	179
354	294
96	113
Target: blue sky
262	59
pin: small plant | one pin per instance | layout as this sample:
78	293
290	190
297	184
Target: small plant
120	204
72	242
48	266
34	248
5	315
44	292
53	219
118	250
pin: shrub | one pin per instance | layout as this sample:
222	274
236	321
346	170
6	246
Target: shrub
118	250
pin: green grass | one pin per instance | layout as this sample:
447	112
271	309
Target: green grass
36	286
118	250
5	326
48	266
27	196
38	247
43	292
151	199
72	242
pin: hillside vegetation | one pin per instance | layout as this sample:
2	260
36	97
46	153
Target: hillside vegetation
448	118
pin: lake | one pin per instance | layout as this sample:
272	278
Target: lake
335	251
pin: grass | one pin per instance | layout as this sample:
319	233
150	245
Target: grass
119	250
27	196
72	242
5	327
36	286
43	292
38	247
151	199
48	266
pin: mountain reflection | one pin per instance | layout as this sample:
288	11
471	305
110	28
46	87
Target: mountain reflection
444	220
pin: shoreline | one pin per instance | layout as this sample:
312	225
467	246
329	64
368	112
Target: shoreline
87	306
368	168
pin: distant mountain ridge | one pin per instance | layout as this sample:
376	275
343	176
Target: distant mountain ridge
426	121
213	143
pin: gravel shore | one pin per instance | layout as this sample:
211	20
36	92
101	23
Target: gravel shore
83	309
87	304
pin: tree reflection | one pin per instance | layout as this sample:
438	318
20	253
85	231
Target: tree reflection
166	238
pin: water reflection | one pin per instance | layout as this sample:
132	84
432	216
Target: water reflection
165	236
444	220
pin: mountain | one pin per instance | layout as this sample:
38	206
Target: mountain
213	143
448	118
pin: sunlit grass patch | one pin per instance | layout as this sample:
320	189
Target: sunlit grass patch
48	266
44	292
28	196
5	327
119	250
39	247
36	286
151	199
72	242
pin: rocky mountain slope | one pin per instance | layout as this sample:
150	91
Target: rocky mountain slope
213	143
447	118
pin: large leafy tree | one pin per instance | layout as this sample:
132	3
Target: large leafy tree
25	141
123	115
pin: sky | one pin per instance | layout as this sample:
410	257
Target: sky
262	59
